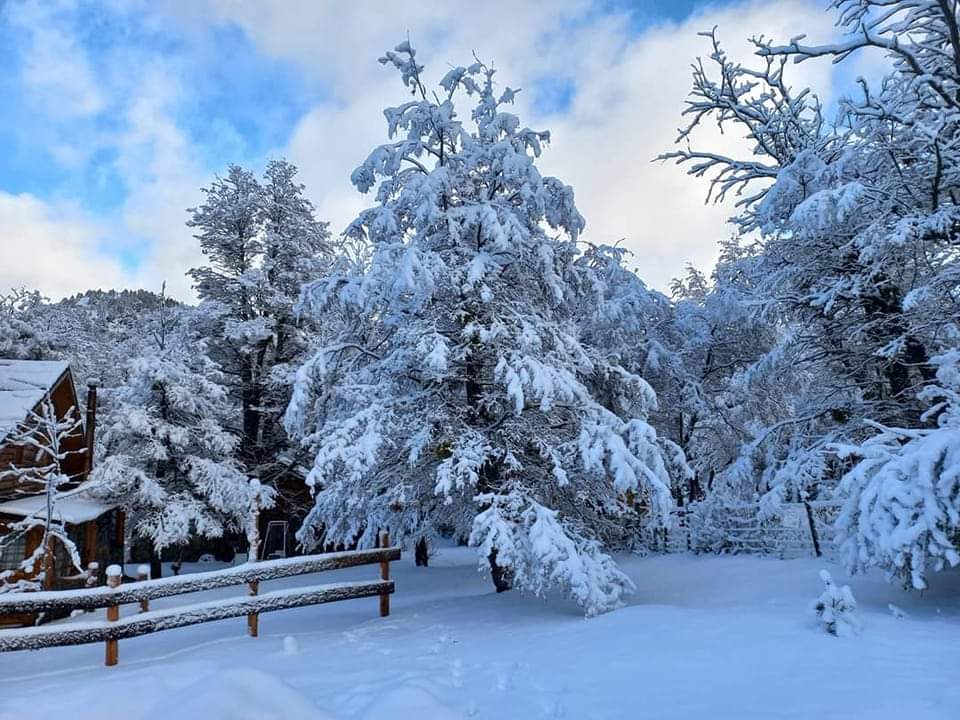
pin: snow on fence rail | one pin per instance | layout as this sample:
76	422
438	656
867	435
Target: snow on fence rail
115	595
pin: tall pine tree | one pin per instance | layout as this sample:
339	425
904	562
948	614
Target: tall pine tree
263	242
458	394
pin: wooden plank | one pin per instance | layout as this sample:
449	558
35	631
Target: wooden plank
157	620
114	580
16	603
253	620
384	575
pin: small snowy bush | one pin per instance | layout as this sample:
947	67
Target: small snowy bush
836	609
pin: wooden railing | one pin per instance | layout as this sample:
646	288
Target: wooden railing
146	621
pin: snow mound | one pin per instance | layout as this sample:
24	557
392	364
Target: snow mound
238	694
412	702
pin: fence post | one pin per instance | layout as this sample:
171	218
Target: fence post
143	573
253	619
812	524
114	578
384	575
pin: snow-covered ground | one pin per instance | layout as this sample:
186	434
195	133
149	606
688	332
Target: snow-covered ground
704	637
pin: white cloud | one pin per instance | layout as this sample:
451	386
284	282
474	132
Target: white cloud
627	112
53	248
162	179
151	156
629	96
55	67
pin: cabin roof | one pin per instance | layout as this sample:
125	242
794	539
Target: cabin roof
73	506
24	383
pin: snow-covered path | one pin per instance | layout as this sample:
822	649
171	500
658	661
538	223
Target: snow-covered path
705	637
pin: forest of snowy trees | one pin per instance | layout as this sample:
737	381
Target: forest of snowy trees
466	361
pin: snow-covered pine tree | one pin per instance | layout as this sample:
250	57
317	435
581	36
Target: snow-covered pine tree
836	608
296	249
263	243
169	460
21	332
229	229
637	329
45	435
456	396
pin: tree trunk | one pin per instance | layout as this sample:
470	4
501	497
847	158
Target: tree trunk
251	417
502	577
156	569
48	562
489	476
421	555
253	534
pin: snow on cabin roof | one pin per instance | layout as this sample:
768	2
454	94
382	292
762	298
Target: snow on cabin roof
73	506
23	383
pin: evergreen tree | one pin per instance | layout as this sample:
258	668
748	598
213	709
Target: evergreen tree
457	392
263	242
169	460
230	235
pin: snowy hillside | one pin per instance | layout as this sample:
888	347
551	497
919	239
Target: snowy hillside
713	637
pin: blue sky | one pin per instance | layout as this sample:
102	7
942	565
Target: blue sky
220	113
118	112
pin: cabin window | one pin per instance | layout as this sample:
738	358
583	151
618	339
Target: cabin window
12	551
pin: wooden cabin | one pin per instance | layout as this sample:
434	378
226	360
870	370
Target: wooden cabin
95	527
279	525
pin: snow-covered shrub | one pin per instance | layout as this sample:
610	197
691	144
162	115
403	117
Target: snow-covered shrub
836	608
898	612
901	501
708	525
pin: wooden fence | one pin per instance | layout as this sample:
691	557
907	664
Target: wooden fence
800	530
146	621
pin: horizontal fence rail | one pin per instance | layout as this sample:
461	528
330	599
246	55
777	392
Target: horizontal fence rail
35	638
101	597
147	621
